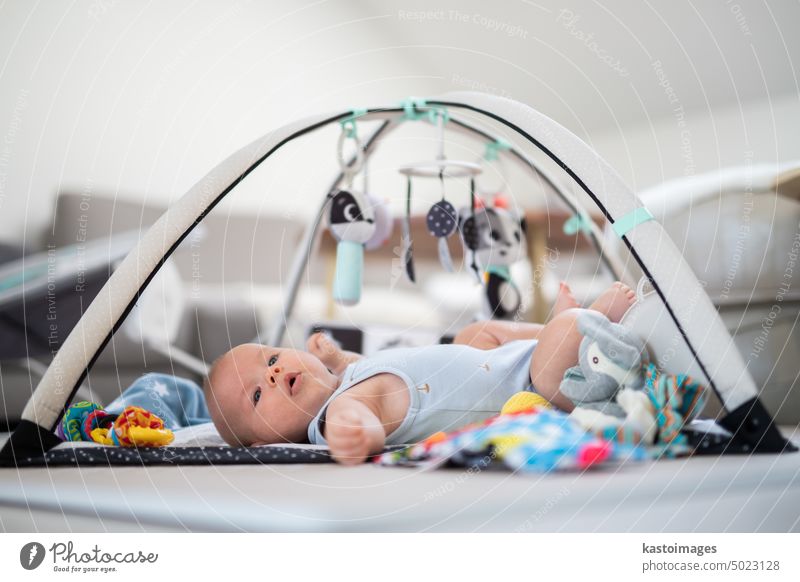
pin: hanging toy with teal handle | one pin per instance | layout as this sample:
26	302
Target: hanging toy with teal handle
352	223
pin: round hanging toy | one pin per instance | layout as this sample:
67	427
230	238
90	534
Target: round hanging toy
442	222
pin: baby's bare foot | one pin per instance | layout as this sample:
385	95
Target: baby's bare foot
615	301
564	300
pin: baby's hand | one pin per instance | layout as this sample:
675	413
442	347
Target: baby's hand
347	437
328	352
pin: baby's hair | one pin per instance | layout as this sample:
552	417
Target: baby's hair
228	435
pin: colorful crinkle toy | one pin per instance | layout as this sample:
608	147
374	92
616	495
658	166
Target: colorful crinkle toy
528	436
133	427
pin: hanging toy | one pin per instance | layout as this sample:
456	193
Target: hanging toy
494	240
442	218
408	251
442	221
352	223
468	227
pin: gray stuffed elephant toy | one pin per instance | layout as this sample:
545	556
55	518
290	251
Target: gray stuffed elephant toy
610	359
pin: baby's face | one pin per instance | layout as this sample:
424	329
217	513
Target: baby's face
264	395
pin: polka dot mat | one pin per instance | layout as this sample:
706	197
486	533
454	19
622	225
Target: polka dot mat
93	456
98	456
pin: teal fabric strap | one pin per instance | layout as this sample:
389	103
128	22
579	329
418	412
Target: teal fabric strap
577	223
631	220
500	270
493	147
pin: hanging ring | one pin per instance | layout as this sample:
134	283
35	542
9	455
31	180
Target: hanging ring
350	170
441	168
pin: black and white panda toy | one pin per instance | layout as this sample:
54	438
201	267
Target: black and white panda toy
494	239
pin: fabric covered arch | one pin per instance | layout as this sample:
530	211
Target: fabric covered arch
699	324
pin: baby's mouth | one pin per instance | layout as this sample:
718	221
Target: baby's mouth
293	382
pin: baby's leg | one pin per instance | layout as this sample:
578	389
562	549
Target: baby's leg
487	335
556	351
560	339
614	301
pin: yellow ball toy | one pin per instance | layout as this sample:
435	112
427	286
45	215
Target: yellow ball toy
524	401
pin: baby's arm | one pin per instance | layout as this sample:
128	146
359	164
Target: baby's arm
353	430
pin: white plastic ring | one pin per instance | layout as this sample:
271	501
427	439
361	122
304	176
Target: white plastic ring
444	168
351	170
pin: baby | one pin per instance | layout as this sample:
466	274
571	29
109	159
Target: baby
262	395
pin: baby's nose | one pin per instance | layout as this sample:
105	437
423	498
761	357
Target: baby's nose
272	374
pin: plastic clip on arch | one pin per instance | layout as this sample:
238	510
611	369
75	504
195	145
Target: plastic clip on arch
349	123
416	109
494	147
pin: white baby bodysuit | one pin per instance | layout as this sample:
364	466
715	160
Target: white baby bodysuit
449	385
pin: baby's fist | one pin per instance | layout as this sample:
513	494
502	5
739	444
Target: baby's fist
347	437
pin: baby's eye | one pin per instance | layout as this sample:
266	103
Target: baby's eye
272	361
257	396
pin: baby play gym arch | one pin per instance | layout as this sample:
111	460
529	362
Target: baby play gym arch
701	331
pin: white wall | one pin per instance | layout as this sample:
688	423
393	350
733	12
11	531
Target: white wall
141	100
762	131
